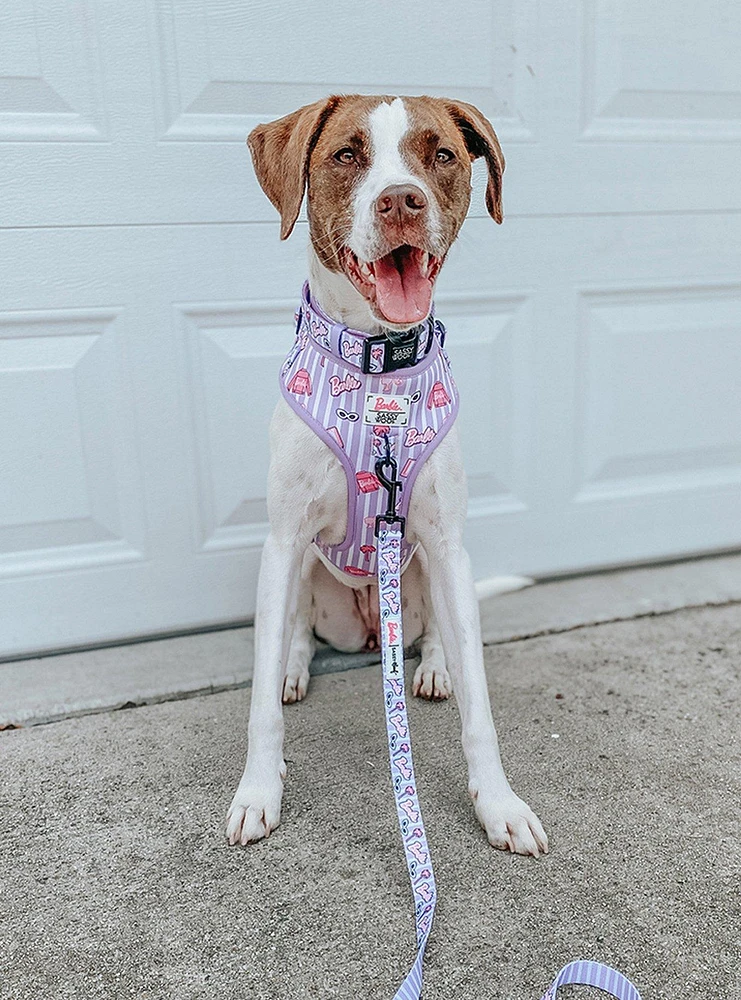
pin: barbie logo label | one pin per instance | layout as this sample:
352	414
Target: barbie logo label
384	409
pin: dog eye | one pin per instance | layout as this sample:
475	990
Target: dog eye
444	156
345	155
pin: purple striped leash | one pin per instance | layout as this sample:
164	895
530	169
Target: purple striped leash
414	838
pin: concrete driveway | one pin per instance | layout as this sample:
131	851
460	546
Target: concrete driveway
117	882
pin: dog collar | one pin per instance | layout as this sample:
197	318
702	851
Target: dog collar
372	355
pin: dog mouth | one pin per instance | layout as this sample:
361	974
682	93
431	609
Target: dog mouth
398	285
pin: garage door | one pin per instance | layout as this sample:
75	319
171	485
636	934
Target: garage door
146	300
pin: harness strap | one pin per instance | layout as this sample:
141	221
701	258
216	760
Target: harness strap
414	838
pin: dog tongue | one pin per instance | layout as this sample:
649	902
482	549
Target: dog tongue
403	291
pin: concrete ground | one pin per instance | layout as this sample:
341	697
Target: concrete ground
117	881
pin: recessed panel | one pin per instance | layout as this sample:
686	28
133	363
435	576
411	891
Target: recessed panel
662	70
226	67
659	392
235	355
50	74
70	490
487	347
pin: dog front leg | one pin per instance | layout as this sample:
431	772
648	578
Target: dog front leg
303	642
509	822
255	809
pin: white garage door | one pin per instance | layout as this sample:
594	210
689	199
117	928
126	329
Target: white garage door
146	300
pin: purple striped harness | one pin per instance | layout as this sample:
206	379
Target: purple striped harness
358	393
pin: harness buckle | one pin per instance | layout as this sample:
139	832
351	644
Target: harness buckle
395	356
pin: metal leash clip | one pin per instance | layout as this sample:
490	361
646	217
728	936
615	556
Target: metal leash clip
392	485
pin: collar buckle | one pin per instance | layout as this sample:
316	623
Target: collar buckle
395	355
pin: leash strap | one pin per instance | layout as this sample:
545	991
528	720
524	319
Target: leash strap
419	862
594	974
414	838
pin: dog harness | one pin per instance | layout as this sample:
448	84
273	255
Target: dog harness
369	397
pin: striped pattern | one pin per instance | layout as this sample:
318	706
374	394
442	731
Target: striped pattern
594	974
328	392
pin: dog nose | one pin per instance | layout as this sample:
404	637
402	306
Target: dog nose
401	200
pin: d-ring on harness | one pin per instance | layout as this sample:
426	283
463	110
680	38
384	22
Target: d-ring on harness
389	531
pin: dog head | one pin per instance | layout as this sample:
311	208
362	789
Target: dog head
388	183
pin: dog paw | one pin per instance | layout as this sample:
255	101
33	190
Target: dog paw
296	684
254	812
510	823
432	681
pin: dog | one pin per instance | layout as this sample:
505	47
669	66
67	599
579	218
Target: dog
388	185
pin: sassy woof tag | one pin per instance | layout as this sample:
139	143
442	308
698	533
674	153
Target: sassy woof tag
380	408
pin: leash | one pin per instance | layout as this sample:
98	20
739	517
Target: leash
389	532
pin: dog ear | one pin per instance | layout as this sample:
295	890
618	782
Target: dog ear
481	140
280	154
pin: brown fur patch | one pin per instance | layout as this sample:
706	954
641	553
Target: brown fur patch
297	153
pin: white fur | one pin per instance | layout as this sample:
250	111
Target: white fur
387	125
294	587
339	298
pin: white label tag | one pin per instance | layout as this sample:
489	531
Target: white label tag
385	409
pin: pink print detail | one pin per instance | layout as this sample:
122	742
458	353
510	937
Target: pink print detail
367	482
357	571
413	436
351	350
420	854
412	813
407	467
390	560
403	766
339	385
391	601
398	723
389	405
387	383
300	384
438	396
367	550
319	328
425	891
336	435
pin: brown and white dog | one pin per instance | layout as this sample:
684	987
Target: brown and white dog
388	182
